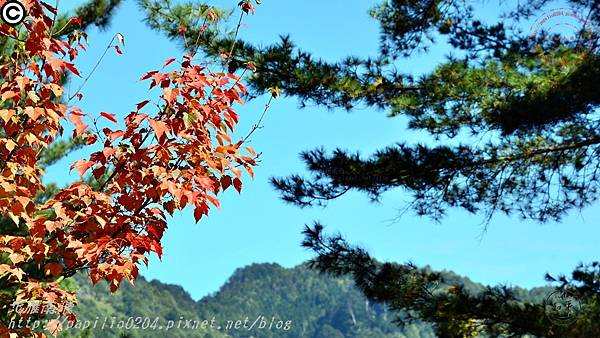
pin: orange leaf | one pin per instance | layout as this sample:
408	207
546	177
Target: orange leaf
237	172
7	114
115	135
108	151
251	151
159	127
16	258
251	66
250	171
80	127
212	15
56	89
82	166
114	285
170	95
8	95
54	326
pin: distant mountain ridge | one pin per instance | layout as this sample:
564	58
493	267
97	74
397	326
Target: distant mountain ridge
260	300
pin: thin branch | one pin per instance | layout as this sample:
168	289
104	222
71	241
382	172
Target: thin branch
237	30
85	81
258	124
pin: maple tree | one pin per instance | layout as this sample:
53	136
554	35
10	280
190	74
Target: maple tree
181	155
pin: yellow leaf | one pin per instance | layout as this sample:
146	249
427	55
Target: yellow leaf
15	258
8	95
14	218
56	89
10	145
7	114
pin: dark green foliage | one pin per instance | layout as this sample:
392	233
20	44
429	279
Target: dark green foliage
97	12
57	150
145	299
460	311
315	305
319	306
406	23
513	120
528	103
92	13
312	302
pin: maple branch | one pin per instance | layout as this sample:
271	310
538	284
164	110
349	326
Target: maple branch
168	4
12	37
93	69
122	163
63	28
72	271
237	30
200	34
120	166
146	203
239	78
51	33
258	124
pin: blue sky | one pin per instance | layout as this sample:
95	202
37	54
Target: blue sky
257	227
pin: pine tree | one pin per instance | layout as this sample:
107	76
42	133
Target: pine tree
514	125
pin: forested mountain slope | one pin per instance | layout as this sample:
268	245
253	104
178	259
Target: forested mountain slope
261	300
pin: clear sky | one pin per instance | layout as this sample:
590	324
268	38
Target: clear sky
257	227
